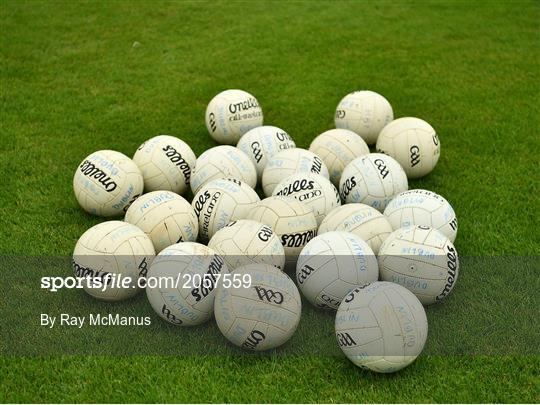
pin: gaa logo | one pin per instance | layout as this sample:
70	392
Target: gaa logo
345	340
253	340
212	119
381	166
169	316
256	149
304	273
317	165
131	202
340	113
415	155
274	297
265	233
143	268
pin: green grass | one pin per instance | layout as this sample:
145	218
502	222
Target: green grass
72	83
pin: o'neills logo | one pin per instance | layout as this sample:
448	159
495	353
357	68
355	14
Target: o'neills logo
452	264
243	106
176	158
209	279
296	186
347	187
87	272
90	170
297	239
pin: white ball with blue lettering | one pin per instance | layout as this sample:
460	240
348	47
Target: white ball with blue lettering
166	163
261	143
381	327
413	143
288	162
422	260
181	283
259	311
164	216
232	113
220	202
247	242
364	112
292	221
422	207
222	162
373	179
113	249
313	190
106	182
360	219
337	148
333	264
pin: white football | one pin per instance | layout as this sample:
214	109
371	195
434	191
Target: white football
262	314
106	182
223	162
421	259
292	221
261	143
374	180
231	114
221	201
164	216
360	219
381	327
313	190
333	264
248	242
364	112
166	163
413	143
422	207
288	162
113	249
337	148
181	283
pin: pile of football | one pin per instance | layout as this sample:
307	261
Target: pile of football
340	219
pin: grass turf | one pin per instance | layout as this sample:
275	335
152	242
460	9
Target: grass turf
72	83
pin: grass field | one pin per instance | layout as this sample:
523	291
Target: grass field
72	82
